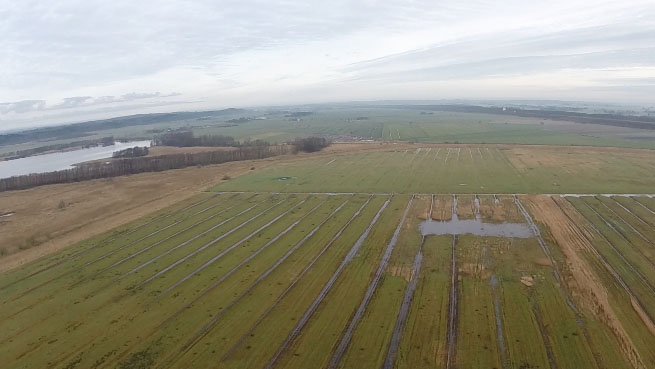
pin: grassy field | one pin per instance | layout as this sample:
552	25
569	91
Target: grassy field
462	169
274	280
341	122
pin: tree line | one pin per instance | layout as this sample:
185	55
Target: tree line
131	152
141	165
105	141
311	144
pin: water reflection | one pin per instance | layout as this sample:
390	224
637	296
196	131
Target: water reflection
62	160
475	227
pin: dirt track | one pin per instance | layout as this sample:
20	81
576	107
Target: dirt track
583	281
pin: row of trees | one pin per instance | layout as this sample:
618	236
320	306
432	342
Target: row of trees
311	144
141	165
105	141
187	139
132	152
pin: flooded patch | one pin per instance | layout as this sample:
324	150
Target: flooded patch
475	227
6	215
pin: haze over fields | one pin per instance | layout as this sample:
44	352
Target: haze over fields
65	60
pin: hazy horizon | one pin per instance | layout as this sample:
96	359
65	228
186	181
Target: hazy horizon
69	61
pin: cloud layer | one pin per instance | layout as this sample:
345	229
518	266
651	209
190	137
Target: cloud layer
69	55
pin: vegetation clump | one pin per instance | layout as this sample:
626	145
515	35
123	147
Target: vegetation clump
311	144
132	152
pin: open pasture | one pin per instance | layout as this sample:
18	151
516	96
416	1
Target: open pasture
317	280
416	125
461	169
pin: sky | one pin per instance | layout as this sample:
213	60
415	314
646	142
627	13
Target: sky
66	61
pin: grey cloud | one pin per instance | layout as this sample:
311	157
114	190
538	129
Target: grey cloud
27	106
72	102
22	106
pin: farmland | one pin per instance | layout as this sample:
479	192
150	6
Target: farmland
461	169
283	280
442	244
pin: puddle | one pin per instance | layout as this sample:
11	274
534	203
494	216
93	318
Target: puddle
284	178
475	227
6	215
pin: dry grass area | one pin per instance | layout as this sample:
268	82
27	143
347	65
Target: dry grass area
49	218
583	281
571	159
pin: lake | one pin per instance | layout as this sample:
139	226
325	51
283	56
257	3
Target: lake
61	160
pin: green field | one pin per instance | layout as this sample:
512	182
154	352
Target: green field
263	280
353	123
461	169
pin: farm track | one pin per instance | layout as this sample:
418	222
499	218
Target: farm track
326	288
561	285
401	321
354	321
295	281
615	274
216	257
106	242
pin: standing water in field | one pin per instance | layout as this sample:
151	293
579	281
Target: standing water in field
476	227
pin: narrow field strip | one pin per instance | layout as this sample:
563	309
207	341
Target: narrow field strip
620	234
401	321
169	251
451	338
560	288
105	242
51	280
149	247
620	254
326	288
625	222
197	251
296	280
347	335
249	258
643	205
640	219
617	277
204	330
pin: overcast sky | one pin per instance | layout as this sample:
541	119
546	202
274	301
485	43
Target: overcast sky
65	60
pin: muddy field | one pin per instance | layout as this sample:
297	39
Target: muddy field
270	280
